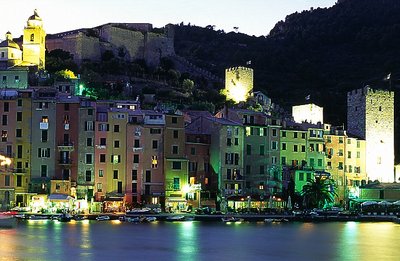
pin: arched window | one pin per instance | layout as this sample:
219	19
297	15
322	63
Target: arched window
32	37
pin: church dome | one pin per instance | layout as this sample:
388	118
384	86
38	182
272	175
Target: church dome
9	42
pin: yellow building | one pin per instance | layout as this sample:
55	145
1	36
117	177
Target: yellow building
238	83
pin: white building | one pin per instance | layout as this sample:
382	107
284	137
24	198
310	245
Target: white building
310	113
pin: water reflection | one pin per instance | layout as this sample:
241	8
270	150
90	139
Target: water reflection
91	240
186	241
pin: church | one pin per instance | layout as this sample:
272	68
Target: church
15	62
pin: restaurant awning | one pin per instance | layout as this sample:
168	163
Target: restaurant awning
60	198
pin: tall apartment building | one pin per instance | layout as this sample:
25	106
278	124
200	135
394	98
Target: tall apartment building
370	116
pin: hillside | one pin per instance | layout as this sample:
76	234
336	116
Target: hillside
322	52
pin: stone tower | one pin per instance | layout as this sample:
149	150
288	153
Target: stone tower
34	41
370	116
238	83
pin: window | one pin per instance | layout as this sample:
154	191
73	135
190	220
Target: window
308	176
88	175
358	155
19	115
6	106
101	173
301	176
283	160
340	166
32	37
228	174
134	175
115	159
176	165
262	169
274	132
155	144
103	141
103	127
116	128
4	79
283	146
295	148
319	162
19	102
136	143
19	181
228	142
89	126
90	112
174	149
248	149
99	187
283	133
89	142
148	176
176	134
115	174
4	135
155	131
174	120
349	154
18	133
303	135
312	162
102	158
7	180
19	151
43	152
154	162
135	158
274	145
89	159
340	139
66	106
4	119
193	151
273	160
295	135
176	184
134	187
236	141
116	143
44	136
43	171
262	149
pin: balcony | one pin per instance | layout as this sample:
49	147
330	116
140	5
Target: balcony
101	147
66	146
19	171
65	162
137	149
44	125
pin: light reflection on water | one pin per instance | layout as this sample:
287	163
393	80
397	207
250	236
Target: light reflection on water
93	240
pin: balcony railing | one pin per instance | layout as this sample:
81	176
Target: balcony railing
65	161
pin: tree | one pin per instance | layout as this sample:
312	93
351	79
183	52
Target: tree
319	192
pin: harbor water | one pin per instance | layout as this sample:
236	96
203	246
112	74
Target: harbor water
194	240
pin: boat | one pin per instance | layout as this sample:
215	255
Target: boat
276	220
150	219
232	220
7	221
38	217
64	218
102	218
175	218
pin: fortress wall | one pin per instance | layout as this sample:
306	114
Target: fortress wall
79	45
132	41
157	46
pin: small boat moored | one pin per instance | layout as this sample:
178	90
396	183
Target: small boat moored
232	220
102	218
175	218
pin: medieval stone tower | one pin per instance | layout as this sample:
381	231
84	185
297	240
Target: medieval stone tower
370	116
34	41
238	83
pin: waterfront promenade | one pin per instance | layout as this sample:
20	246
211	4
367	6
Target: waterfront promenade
245	217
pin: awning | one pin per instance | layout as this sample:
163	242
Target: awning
60	197
175	200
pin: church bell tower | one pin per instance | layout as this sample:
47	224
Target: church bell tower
34	41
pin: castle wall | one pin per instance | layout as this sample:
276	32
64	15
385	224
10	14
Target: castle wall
131	41
82	47
157	46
